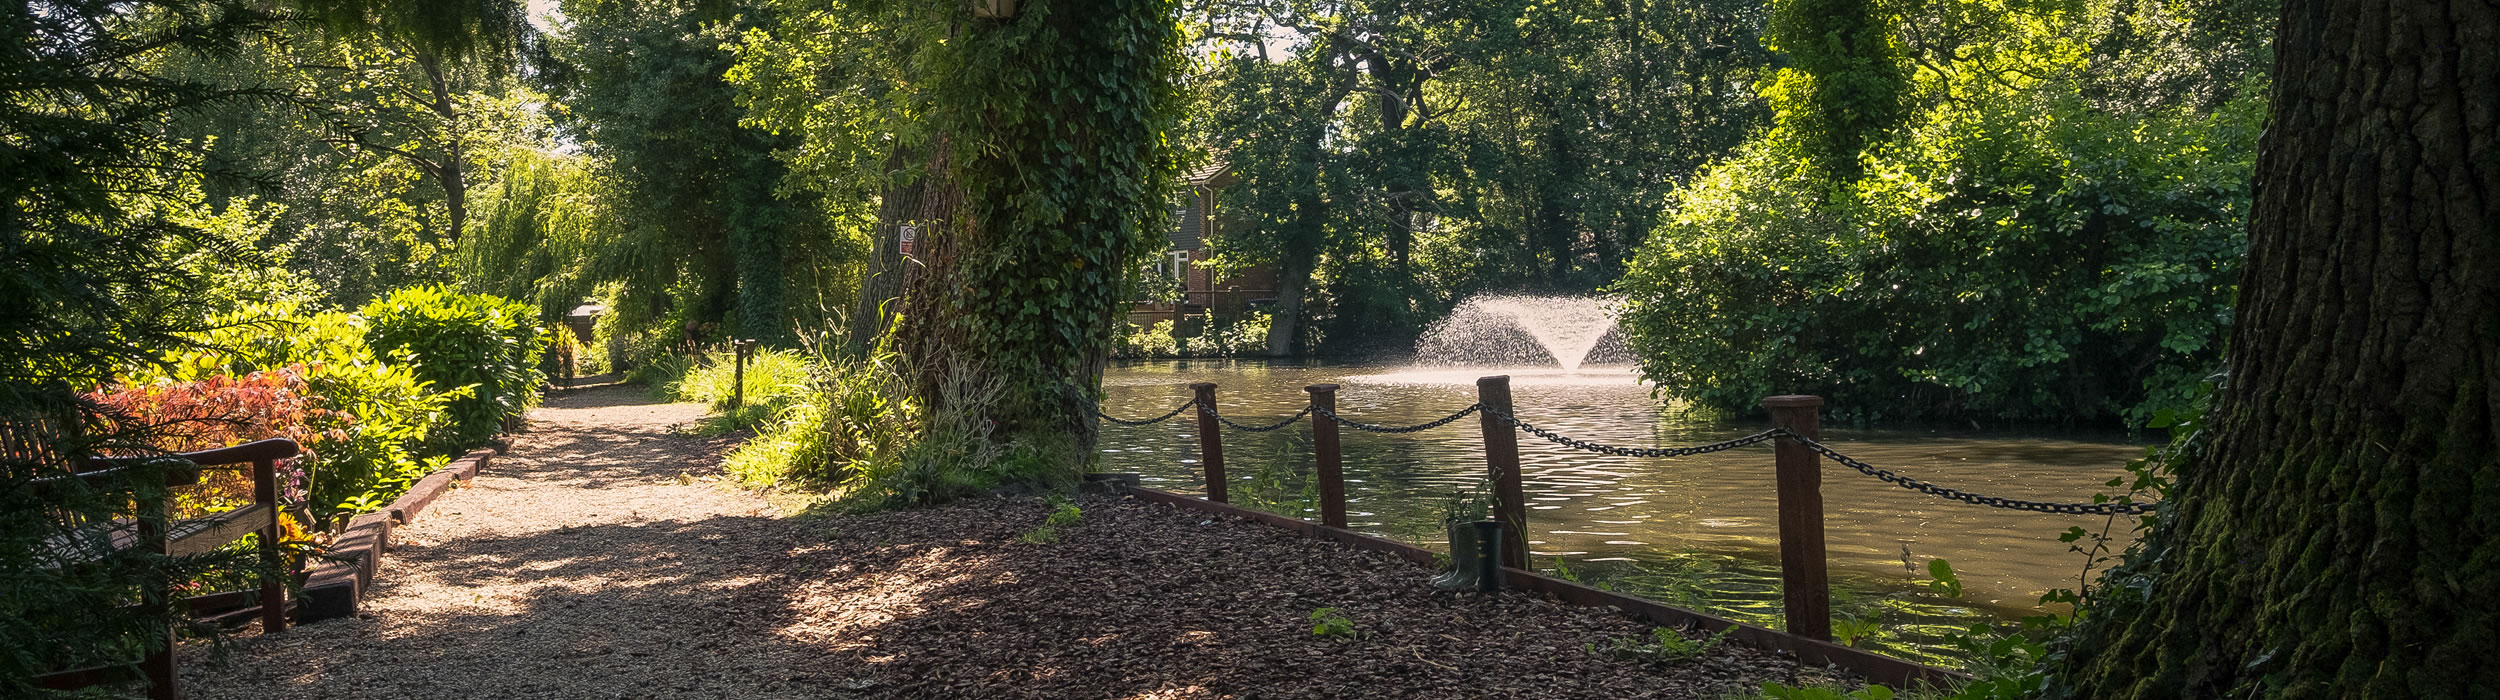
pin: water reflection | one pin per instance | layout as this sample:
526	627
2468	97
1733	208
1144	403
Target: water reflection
1698	531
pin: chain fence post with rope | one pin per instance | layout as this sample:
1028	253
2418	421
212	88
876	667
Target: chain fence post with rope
1805	580
1211	443
1330	461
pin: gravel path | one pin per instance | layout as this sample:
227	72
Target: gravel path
583	565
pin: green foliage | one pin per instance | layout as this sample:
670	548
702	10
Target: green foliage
1062	514
1331	622
1850	630
540	226
105	264
2016	250
1239	336
1405	156
775	380
1845	84
1772	690
1665	646
487	345
707	231
388	444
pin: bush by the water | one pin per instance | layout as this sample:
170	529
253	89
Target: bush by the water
2020	250
488	345
1242	336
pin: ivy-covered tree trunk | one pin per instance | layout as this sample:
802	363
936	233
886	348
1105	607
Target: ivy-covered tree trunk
1060	116
2335	536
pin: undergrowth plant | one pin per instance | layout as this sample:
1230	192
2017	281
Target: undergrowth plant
1062	514
1665	645
775	379
1331	622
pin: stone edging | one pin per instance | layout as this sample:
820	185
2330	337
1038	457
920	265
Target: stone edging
336	586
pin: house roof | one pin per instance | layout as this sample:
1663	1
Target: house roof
1216	172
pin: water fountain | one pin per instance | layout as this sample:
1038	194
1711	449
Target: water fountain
1535	339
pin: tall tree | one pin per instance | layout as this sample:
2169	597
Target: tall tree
643	82
1061	116
2336	537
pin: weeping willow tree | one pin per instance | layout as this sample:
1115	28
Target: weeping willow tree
538	230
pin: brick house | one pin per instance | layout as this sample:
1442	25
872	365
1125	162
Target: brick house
1194	226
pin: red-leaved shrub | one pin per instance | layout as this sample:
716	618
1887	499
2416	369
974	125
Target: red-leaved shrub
225	410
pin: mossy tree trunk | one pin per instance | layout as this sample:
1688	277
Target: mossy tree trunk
2334	538
1058	118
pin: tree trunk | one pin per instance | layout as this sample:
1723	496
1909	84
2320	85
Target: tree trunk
1290	282
2334	538
921	202
452	173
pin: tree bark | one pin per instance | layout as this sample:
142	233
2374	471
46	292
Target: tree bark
452	172
1283	327
2334	538
921	202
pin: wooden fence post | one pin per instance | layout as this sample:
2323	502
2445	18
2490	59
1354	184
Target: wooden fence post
1331	461
1805	586
738	394
272	585
164	683
1211	443
1501	461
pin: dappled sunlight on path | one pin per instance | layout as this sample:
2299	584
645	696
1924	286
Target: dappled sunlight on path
597	561
580	565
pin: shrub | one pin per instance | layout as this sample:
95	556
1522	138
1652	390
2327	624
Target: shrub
486	345
393	415
1150	340
849	415
2019	256
225	410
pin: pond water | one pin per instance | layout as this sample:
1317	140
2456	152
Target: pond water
1694	531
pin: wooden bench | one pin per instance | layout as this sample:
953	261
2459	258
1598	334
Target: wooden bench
86	541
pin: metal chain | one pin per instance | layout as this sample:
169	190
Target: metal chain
1228	422
1602	448
2111	508
1176	410
1367	427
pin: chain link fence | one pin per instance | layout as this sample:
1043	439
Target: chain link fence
1090	407
1228	422
1368	427
2119	507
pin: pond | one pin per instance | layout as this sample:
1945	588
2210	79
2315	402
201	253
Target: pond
1694	531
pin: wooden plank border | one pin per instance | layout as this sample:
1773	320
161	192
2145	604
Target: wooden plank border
336	586
1875	667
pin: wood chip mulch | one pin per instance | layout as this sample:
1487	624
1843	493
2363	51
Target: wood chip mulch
1145	600
593	567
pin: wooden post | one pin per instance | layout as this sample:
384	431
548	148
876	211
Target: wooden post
738	394
158	667
1501	461
1331	461
1804	584
1211	443
272	587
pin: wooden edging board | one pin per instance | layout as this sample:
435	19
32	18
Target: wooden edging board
1875	667
336	585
